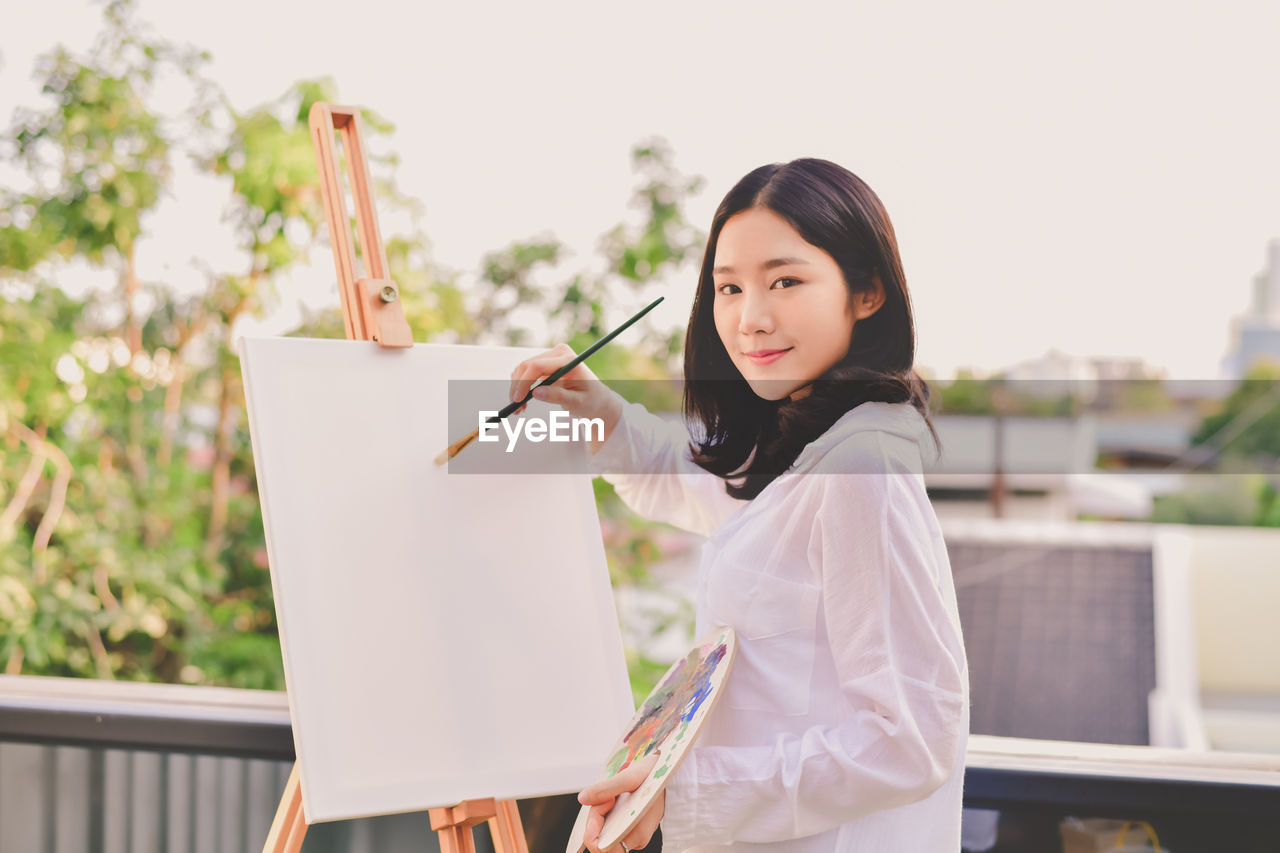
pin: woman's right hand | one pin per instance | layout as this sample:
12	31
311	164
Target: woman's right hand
578	392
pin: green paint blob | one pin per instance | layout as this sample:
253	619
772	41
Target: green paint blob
661	772
615	763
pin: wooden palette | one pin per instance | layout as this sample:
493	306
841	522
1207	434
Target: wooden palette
669	721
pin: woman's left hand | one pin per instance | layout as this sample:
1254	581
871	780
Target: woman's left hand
602	795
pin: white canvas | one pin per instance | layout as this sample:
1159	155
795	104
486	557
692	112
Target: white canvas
446	637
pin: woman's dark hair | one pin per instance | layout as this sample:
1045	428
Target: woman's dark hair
834	210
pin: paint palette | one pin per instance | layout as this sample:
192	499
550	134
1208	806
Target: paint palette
668	721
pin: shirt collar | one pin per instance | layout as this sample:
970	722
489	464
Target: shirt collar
900	419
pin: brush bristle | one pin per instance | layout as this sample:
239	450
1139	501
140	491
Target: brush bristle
453	449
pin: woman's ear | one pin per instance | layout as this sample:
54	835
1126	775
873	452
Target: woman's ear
869	301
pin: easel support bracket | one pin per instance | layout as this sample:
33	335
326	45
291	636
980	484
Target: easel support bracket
383	317
454	825
371	306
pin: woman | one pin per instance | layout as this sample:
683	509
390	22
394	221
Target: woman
844	723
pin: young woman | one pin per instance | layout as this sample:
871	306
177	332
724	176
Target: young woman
844	723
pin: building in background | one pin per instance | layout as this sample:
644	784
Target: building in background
1255	334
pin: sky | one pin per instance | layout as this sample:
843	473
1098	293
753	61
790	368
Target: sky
1098	178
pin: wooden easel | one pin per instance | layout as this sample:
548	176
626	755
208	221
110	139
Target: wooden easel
371	312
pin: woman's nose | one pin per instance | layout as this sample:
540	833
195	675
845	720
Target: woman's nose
755	316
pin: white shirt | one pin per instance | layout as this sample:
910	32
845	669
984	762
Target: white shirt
844	723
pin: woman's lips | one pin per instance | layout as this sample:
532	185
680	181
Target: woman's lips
767	356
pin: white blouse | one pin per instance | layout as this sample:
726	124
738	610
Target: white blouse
844	723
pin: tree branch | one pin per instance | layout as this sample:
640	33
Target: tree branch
30	477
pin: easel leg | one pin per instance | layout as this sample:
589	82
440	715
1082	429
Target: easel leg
443	823
289	826
455	839
507	830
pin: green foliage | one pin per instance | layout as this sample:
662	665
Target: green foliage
97	157
581	306
1212	499
1240	443
433	301
108	161
967	395
1248	423
1268	514
644	673
1142	395
665	239
272	167
98	582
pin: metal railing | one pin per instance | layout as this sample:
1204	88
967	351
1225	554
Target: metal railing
111	767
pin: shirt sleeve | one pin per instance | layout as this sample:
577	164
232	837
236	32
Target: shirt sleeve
901	665
647	460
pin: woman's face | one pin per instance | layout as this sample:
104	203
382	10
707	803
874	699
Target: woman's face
782	307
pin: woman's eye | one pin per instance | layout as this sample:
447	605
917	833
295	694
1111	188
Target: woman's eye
722	289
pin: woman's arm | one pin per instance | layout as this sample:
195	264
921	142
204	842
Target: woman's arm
900	662
646	458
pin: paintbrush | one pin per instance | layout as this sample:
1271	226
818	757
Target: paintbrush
453	449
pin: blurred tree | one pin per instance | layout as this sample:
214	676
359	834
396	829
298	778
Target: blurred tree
1268	513
662	243
84	558
275	211
969	395
1133	395
164	553
964	395
1235	452
1248	422
1210	499
98	158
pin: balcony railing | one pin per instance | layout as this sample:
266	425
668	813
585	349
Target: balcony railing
105	766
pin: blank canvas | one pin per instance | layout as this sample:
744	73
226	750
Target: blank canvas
446	637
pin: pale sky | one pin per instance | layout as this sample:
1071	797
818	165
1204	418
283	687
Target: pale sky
1097	177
